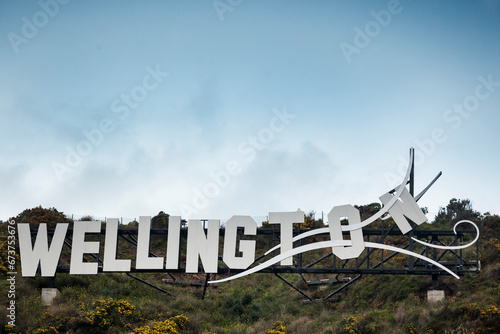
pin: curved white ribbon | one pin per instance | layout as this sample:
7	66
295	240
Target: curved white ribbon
292	252
325	244
455	231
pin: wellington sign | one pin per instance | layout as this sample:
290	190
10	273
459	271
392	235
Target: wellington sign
204	245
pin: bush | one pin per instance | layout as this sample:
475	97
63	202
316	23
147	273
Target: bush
278	328
172	325
104	313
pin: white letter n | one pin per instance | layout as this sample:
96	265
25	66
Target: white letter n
404	206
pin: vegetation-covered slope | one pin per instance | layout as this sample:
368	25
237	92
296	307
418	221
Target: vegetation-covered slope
260	303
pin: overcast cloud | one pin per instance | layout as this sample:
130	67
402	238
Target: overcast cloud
125	108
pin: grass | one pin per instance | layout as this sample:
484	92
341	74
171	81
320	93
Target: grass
375	304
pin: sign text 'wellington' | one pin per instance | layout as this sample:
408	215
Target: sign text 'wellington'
204	247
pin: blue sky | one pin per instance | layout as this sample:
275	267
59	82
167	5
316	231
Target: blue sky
207	109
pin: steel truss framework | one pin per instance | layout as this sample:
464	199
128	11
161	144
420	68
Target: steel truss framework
371	261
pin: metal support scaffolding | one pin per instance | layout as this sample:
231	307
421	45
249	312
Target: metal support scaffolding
372	262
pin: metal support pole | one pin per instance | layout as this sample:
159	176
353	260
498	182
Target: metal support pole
301	242
434	282
383	241
205	286
294	287
411	260
342	287
381	263
133	241
319	260
151	285
304	279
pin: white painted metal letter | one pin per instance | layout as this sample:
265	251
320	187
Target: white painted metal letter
48	257
334	219
174	234
286	221
204	247
143	261
110	246
404	206
80	247
247	247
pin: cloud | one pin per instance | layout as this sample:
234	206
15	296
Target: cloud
279	179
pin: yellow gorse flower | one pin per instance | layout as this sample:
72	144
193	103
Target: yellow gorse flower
172	325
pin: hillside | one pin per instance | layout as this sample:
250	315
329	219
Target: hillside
262	303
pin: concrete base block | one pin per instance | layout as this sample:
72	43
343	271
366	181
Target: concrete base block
48	295
435	295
